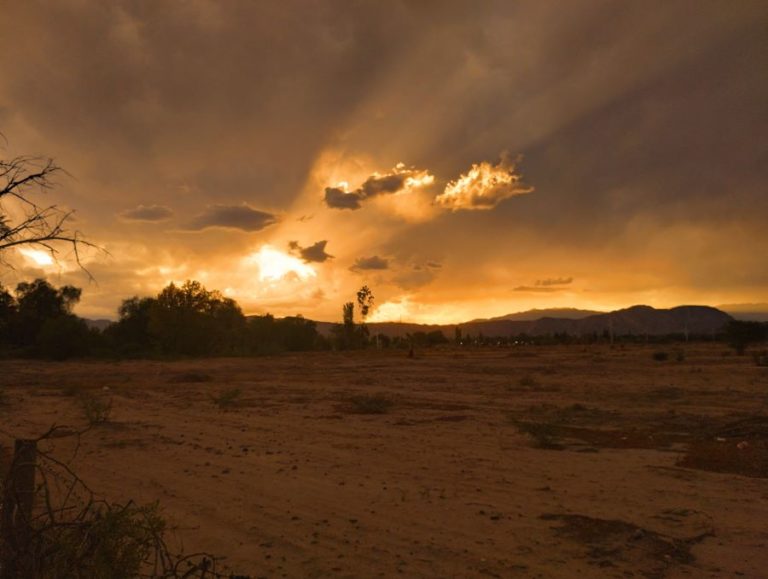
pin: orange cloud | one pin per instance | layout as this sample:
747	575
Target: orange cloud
484	186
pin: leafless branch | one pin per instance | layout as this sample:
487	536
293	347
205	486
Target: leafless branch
44	226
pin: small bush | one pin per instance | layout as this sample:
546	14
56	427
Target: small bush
544	435
760	358
227	398
113	542
370	404
528	381
77	536
71	390
95	409
190	378
680	355
661	356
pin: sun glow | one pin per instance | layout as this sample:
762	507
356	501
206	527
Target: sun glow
37	256
420	179
274	265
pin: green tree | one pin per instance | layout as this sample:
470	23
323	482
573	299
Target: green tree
346	335
741	334
348	315
131	334
37	302
63	337
190	320
261	335
364	301
7	314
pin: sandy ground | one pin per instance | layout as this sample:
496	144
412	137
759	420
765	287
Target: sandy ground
529	462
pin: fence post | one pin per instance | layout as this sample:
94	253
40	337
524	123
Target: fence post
18	500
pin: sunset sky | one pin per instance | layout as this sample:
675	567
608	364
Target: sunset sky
464	159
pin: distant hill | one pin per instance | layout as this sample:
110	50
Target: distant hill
637	320
535	314
747	312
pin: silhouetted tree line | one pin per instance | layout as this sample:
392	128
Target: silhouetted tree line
186	320
740	334
36	320
737	333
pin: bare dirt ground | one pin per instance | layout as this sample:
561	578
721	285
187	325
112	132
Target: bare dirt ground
553	462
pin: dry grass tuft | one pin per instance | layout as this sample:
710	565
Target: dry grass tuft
227	399
96	409
369	404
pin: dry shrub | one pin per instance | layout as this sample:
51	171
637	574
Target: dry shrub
71	390
760	358
375	404
69	534
528	381
614	543
544	434
738	447
109	541
96	409
190	378
227	399
746	457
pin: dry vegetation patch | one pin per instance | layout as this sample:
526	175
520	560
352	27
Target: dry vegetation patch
738	447
553	436
367	404
97	409
190	378
614	542
227	399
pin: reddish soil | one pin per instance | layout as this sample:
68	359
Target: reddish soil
551	462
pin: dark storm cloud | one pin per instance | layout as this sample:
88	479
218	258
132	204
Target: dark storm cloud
241	217
643	129
554	281
339	199
314	253
147	213
397	180
231	98
382	185
370	263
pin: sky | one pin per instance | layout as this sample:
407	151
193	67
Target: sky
464	159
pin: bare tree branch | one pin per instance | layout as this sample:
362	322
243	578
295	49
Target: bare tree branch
44	226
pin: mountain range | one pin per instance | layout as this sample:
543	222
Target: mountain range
637	320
